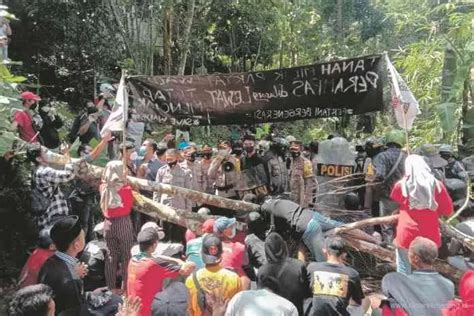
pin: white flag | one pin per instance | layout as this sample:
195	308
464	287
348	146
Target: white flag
403	100
118	116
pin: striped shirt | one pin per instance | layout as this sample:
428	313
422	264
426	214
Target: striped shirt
71	263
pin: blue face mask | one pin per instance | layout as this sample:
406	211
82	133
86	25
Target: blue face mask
142	151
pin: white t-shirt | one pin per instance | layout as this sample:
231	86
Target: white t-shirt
260	302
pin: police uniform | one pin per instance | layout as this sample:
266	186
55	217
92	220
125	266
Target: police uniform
225	181
194	168
278	173
177	176
301	181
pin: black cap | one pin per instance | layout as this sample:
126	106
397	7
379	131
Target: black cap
148	235
64	231
211	249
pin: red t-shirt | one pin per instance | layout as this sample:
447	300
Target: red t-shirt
424	223
126	195
29	273
233	256
145	279
25	126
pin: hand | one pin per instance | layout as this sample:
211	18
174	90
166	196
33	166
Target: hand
64	149
131	306
81	269
100	289
107	137
8	155
187	268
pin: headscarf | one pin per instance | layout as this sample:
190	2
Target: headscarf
112	180
419	184
465	307
276	249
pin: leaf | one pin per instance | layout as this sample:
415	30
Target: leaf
446	112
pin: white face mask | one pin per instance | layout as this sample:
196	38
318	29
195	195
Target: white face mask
234	232
134	156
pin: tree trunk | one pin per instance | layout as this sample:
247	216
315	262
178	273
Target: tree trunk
339	21
167	39
186	37
162	212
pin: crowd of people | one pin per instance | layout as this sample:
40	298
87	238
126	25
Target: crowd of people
235	262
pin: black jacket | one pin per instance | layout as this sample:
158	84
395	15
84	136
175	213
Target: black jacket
69	294
293	283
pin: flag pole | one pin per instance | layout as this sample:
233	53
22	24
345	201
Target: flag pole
396	89
124	127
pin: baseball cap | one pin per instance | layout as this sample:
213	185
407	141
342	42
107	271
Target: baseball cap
28	95
208	226
211	249
222	223
155	226
147	235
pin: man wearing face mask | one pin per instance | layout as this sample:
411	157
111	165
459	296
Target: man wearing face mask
302	182
23	120
254	169
225	170
205	162
275	159
194	167
174	174
234	255
148	164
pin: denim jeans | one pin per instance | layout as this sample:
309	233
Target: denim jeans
313	237
403	264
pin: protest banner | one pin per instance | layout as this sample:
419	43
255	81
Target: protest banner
337	88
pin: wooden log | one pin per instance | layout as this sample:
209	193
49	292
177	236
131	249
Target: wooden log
365	222
163	212
370	248
452	232
196	196
389	256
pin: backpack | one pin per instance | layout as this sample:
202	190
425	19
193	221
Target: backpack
201	295
39	202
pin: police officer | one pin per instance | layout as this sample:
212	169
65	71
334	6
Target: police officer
302	183
454	168
205	162
194	167
225	170
174	174
275	160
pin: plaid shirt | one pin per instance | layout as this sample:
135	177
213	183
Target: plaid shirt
47	181
384	163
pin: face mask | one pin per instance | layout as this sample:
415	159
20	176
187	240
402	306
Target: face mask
172	164
207	156
237	152
192	157
249	149
134	155
232	235
142	151
295	154
34	106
